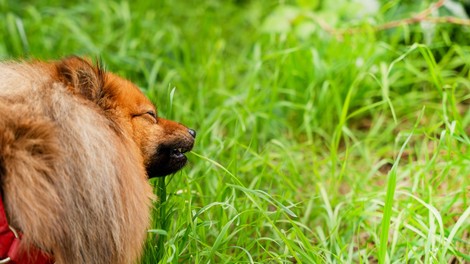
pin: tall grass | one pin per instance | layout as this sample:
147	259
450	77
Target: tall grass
310	148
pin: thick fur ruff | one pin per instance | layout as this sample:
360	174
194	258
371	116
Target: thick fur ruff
75	157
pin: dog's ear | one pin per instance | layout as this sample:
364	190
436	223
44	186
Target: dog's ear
82	77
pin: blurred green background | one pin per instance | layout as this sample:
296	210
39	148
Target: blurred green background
321	139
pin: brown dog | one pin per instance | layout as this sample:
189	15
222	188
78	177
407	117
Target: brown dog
77	145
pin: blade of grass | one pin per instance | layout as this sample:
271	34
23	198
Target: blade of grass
389	198
162	219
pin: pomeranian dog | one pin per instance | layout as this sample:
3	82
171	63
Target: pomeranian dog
77	147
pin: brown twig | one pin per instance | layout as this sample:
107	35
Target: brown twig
429	10
423	16
418	18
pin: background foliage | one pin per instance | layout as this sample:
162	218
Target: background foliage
320	137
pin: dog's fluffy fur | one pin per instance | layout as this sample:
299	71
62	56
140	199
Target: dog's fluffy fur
77	145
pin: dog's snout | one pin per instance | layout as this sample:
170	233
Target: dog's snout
192	132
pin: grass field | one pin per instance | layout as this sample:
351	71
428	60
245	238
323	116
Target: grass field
315	144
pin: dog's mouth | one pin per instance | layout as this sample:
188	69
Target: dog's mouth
169	159
178	153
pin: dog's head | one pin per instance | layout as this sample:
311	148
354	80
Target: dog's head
162	142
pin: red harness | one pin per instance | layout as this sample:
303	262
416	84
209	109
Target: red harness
10	244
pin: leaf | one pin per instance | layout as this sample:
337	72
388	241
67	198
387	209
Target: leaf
456	9
280	20
158	232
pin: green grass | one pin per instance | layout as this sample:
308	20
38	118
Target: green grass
310	148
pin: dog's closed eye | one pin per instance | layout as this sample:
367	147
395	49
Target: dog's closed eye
153	114
150	115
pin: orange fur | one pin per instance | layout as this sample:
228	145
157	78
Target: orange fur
77	145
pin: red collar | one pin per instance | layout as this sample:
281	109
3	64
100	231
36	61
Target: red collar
10	245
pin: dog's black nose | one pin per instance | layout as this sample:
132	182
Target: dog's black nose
192	132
